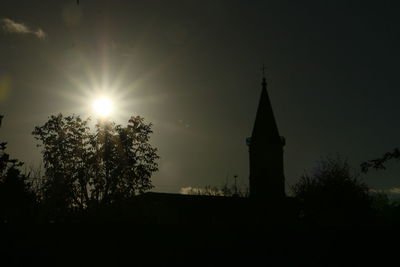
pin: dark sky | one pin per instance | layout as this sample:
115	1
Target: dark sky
193	69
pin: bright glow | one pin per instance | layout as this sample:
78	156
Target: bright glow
103	106
122	95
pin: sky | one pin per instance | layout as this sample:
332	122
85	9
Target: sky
193	69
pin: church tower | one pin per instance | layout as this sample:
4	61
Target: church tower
267	180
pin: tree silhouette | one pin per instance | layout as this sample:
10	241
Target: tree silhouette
378	163
84	168
16	199
332	195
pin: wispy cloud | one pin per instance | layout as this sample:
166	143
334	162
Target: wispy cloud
208	191
10	26
393	190
392	193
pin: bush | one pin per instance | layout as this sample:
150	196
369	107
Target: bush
332	195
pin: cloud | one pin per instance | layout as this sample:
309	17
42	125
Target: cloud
10	26
187	190
208	191
40	34
393	190
393	193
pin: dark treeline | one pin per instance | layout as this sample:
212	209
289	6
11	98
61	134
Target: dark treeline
95	176
102	176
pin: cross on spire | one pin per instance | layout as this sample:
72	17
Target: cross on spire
264	82
263	70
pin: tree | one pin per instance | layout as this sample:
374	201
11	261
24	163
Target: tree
332	195
378	163
85	168
16	199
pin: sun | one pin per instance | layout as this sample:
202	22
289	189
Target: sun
102	106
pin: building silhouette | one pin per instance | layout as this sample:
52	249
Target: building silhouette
266	178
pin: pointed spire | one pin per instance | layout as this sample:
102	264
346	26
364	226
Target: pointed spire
265	129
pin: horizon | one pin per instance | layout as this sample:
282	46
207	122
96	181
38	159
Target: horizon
193	69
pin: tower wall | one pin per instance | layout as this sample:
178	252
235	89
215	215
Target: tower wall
266	179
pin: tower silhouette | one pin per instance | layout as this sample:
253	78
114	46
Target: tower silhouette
267	179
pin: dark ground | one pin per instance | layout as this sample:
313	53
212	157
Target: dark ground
194	244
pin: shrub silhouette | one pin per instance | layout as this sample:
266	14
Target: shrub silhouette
332	195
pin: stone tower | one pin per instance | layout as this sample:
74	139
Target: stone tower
267	180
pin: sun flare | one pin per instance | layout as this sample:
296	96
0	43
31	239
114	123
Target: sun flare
103	106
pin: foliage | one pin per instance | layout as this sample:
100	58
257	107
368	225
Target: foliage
332	194
16	199
386	210
378	163
85	168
